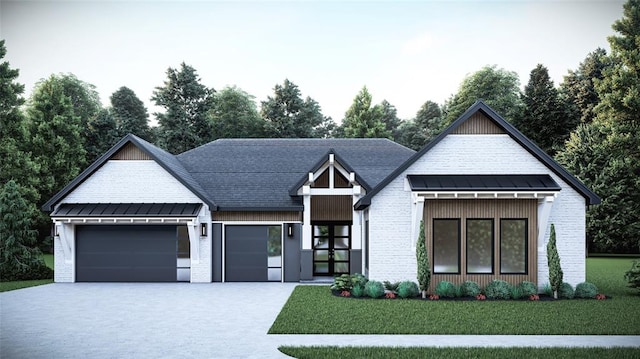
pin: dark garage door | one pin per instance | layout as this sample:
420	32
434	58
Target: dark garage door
126	253
246	253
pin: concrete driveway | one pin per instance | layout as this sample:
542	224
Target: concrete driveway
141	320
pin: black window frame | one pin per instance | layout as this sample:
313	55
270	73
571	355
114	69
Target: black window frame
433	244
493	245
526	246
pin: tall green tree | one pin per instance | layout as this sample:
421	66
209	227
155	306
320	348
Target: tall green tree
19	256
56	133
287	115
498	88
427	124
129	114
605	153
363	119
390	119
578	89
102	135
545	118
422	257
553	262
187	103
16	162
235	115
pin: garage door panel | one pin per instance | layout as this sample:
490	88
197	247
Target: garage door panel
126	253
246	253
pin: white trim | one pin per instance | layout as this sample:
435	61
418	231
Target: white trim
544	212
331	191
484	194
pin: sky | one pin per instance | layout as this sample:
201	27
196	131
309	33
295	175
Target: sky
406	52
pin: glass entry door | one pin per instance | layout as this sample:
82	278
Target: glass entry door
331	244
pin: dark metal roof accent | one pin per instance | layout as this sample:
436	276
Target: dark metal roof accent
127	210
527	144
165	159
482	183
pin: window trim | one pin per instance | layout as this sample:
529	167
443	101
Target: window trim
526	246
493	245
433	244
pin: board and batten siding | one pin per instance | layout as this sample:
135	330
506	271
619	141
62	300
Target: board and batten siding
483	209
391	248
134	181
256	216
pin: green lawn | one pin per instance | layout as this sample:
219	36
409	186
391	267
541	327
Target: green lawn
447	353
314	310
7	286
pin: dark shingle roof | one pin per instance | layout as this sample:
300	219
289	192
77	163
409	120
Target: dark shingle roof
258	174
482	183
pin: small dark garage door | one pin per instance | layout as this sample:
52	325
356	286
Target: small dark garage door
246	257
126	253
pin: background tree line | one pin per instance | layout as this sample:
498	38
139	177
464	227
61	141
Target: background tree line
589	123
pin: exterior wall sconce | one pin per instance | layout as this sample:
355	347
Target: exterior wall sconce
290	229
203	229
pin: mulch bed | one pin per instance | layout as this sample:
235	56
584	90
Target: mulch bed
541	298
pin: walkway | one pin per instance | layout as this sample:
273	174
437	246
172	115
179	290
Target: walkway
170	320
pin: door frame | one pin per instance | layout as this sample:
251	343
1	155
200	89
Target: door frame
331	261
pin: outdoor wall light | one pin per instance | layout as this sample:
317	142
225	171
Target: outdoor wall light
290	229
203	229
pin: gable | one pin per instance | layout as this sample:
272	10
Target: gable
130	152
478	124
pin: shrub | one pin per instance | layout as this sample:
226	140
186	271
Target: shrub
422	257
408	289
374	289
566	291
342	283
528	288
516	292
446	289
359	279
469	289
553	261
37	270
586	290
546	289
357	291
390	295
633	275
391	286
498	289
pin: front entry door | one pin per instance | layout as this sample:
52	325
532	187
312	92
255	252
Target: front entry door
331	244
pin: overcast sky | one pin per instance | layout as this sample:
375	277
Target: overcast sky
404	52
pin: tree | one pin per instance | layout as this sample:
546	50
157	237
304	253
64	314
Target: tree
578	88
390	118
424	268
129	114
553	261
185	123
287	115
102	135
427	124
498	88
544	119
56	142
235	115
17	163
605	154
19	257
362	120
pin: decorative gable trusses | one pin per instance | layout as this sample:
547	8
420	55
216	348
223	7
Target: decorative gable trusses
132	147
330	176
481	119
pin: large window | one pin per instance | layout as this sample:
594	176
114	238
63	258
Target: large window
479	246
274	254
513	246
446	246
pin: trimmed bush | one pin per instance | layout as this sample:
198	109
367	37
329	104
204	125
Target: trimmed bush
632	276
498	289
342	283
446	289
393	287
546	289
374	289
359	279
586	290
408	289
357	291
566	291
528	288
516	292
469	289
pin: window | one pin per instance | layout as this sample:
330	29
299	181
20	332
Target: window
183	255
274	253
513	246
479	246
446	246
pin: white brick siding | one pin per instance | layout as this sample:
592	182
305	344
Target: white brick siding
392	256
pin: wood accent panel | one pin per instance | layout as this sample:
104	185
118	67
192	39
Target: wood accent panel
496	209
130	152
478	124
322	181
331	208
339	181
257	216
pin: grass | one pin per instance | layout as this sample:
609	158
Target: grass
7	286
446	353
314	310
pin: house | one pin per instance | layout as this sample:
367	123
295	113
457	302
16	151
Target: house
298	209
